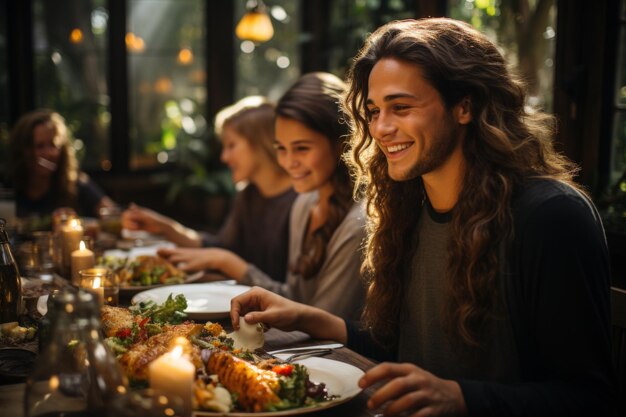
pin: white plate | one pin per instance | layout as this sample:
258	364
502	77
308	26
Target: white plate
340	378
205	301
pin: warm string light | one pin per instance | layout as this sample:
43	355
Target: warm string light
76	35
134	43
185	56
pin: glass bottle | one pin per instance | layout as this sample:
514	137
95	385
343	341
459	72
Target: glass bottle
75	373
10	284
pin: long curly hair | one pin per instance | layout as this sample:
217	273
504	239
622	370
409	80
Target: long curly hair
22	155
315	101
505	144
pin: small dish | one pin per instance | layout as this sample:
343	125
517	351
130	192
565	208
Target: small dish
15	364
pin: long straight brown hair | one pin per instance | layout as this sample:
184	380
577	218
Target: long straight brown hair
505	145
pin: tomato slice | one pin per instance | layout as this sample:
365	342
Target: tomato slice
284	369
124	333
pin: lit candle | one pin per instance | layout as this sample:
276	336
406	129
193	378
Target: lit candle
82	258
173	374
98	289
71	235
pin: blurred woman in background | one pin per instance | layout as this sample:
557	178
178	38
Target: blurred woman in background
327	226
257	226
44	169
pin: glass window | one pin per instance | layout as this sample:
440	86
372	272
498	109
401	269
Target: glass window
352	21
618	145
167	79
534	58
269	68
70	41
618	148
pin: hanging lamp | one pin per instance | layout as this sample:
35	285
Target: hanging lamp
255	25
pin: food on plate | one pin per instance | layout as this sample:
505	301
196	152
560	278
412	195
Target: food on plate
136	359
256	389
144	270
114	319
248	337
211	396
267	385
230	376
12	333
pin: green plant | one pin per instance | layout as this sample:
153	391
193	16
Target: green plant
199	169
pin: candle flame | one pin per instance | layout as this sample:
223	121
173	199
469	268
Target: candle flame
53	382
82	245
96	282
74	223
177	352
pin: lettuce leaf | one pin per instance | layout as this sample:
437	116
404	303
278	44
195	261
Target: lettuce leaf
172	311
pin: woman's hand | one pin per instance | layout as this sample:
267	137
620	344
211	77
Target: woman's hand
198	259
262	306
141	218
411	391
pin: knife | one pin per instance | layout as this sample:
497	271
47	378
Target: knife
328	346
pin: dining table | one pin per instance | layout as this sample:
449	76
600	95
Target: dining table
12	395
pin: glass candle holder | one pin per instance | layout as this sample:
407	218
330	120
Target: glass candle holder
102	282
111	220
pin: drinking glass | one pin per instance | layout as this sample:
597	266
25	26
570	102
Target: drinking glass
47	252
111	220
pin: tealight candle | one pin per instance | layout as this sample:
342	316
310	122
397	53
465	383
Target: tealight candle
98	289
173	374
82	258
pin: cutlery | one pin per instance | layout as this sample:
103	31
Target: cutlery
306	354
315	347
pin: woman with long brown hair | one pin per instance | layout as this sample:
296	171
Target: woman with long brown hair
326	225
487	265
45	171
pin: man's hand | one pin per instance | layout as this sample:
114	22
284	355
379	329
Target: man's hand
411	391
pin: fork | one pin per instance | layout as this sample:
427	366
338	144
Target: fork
308	353
262	354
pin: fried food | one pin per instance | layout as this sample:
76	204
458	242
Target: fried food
144	270
255	388
136	360
156	266
114	319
